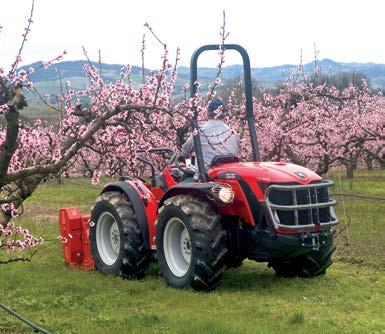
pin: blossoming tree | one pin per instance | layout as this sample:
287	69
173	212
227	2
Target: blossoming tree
103	127
97	130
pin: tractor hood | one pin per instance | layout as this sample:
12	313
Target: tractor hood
267	172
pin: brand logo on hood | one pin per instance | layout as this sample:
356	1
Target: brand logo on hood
301	175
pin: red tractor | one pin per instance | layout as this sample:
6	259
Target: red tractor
275	212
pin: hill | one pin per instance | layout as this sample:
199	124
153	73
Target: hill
73	71
48	84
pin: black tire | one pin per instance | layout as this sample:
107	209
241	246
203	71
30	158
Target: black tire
130	258
315	263
285	267
206	244
311	264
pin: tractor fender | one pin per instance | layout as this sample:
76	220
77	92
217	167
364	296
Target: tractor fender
200	190
133	193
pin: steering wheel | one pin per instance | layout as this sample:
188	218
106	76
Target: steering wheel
184	170
177	161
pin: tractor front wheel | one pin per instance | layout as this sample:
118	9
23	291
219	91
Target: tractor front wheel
312	264
116	241
316	262
191	244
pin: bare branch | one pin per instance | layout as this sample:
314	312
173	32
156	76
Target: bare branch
27	30
156	37
41	98
100	63
222	57
19	259
142	52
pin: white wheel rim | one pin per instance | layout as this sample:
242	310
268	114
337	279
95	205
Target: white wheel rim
107	238
177	247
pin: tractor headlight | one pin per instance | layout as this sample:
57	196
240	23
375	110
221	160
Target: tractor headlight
224	193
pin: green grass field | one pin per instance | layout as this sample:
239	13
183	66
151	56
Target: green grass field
350	298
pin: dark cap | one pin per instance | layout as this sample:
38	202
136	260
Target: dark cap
213	105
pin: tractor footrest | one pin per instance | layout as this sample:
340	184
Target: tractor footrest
74	232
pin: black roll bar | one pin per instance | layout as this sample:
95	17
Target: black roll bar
248	95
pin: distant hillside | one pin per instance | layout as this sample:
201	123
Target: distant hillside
73	72
268	76
47	80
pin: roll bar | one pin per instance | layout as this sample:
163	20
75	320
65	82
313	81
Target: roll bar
248	95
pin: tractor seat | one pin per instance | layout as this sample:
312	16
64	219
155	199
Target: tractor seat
223	159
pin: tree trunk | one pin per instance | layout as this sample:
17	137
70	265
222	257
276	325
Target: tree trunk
323	166
382	163
350	171
369	163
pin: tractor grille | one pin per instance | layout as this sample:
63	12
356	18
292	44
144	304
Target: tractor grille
299	207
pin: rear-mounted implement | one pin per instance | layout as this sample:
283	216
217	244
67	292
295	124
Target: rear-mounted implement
74	231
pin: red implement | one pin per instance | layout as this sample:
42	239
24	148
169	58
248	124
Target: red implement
74	230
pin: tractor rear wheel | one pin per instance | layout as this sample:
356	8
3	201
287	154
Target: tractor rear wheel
311	264
116	241
191	244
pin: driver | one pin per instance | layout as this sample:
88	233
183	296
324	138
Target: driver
216	136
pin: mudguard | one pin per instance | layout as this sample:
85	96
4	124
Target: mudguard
138	200
200	190
239	207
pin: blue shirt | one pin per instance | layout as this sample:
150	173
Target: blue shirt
216	139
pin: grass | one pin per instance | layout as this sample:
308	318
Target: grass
365	241
348	299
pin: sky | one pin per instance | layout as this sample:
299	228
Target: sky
273	31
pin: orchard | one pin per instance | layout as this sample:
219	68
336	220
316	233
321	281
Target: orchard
103	127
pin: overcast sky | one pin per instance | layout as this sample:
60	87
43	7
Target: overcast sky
272	31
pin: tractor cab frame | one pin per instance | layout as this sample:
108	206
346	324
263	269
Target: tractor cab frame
248	97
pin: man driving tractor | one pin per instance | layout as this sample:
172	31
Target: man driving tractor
216	136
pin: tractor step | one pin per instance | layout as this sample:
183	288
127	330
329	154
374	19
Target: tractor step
74	232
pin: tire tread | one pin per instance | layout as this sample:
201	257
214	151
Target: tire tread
135	258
